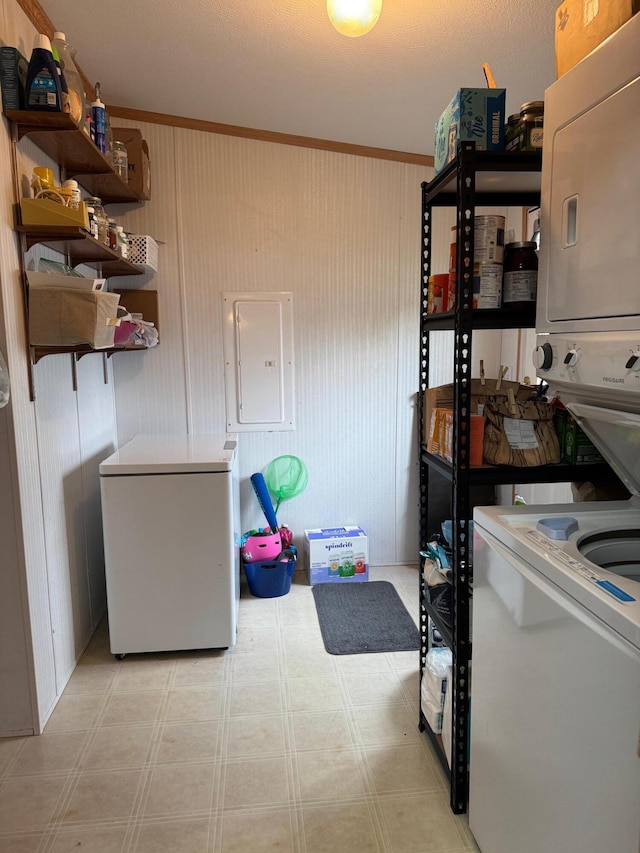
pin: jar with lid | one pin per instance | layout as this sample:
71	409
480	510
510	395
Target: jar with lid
512	133
520	283
113	235
101	218
531	124
120	160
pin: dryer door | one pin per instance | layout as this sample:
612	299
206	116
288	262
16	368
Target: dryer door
593	210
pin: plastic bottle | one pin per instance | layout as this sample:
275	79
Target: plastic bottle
99	122
42	90
77	98
123	242
75	193
66	103
101	218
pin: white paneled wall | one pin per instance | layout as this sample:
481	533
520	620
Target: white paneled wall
343	234
51	561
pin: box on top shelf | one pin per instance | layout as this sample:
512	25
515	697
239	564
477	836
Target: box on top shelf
582	24
474	115
138	159
336	554
13	77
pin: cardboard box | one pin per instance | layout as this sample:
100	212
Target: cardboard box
336	555
474	115
576	447
138	159
13	78
476	429
582	24
63	316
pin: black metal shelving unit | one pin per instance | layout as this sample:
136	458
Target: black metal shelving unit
473	178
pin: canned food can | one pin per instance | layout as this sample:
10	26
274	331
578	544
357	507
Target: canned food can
436	293
487	285
488	239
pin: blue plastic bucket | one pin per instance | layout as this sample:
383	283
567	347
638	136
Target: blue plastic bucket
270	578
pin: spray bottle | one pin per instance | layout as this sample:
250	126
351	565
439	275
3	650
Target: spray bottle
43	90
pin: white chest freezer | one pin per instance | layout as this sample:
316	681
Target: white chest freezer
171	516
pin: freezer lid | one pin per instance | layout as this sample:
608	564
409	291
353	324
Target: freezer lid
172	454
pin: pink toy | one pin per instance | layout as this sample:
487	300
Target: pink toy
261	546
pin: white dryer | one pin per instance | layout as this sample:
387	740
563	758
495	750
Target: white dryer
171	516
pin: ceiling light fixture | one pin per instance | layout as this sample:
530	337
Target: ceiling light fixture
354	17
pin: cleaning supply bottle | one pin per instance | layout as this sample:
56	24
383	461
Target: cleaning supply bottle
42	90
99	122
66	103
77	98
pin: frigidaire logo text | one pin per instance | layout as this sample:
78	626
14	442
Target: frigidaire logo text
613	379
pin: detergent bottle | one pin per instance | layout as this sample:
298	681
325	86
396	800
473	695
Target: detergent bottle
43	90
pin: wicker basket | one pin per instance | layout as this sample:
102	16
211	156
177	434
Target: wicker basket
143	250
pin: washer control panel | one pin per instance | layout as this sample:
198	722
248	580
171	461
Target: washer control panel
599	360
580	568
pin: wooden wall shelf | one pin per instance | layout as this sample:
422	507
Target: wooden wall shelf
59	136
80	248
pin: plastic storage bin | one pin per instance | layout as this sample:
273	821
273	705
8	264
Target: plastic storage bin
271	578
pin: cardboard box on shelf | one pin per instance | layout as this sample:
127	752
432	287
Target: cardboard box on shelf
581	25
336	554
476	441
474	115
138	159
576	447
13	77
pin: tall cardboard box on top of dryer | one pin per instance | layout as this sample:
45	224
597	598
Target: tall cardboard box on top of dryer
581	25
336	555
138	157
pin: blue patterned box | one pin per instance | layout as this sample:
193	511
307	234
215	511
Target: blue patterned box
474	115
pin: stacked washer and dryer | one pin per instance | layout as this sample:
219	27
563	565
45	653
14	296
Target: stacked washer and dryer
555	725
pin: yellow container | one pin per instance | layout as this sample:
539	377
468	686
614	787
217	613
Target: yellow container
43	211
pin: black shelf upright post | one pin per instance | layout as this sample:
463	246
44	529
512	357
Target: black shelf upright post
462	508
423	468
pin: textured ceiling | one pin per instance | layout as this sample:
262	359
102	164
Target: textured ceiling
279	65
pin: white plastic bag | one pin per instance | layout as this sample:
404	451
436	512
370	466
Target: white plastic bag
434	686
4	382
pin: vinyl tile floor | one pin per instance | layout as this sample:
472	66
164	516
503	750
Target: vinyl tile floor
274	745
